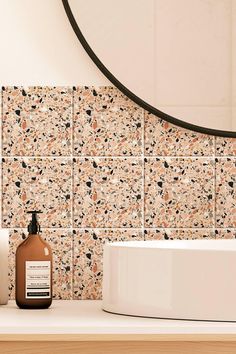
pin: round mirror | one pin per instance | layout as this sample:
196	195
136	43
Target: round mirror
175	58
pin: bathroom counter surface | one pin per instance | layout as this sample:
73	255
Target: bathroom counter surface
84	320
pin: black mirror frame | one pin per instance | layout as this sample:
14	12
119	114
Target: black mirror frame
130	94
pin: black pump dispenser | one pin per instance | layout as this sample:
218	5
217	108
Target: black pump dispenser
34	227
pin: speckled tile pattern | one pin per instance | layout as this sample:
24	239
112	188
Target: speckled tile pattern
37	121
225	233
179	192
61	244
36	184
225	146
107	192
102	169
106	123
226	192
88	250
178	234
165	139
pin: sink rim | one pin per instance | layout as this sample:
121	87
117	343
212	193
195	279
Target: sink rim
183	245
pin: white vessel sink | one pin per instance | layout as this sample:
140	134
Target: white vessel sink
178	279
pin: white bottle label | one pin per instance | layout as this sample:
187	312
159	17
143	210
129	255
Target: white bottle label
37	279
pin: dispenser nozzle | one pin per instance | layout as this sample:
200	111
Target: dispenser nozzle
34	227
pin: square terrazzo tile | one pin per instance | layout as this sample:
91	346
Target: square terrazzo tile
37	184
179	192
226	192
37	121
165	139
88	253
106	123
177	234
225	146
107	192
225	233
61	244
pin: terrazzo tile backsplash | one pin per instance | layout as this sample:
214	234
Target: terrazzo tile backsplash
103	169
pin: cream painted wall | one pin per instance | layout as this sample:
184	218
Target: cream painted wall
39	47
178	55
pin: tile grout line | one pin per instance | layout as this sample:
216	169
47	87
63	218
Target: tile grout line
123	229
119	157
214	188
183	157
1	165
72	194
179	228
68	157
143	173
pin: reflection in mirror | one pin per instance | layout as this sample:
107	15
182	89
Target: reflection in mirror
179	56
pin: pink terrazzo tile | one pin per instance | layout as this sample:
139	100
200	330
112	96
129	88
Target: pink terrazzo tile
88	253
226	192
179	192
177	234
107	192
36	184
37	121
165	139
106	123
225	233
225	146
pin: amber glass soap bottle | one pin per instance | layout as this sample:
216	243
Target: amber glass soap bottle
33	270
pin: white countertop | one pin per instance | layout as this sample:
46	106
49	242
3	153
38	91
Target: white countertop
86	317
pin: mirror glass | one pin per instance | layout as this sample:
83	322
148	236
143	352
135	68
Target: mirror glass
179	56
